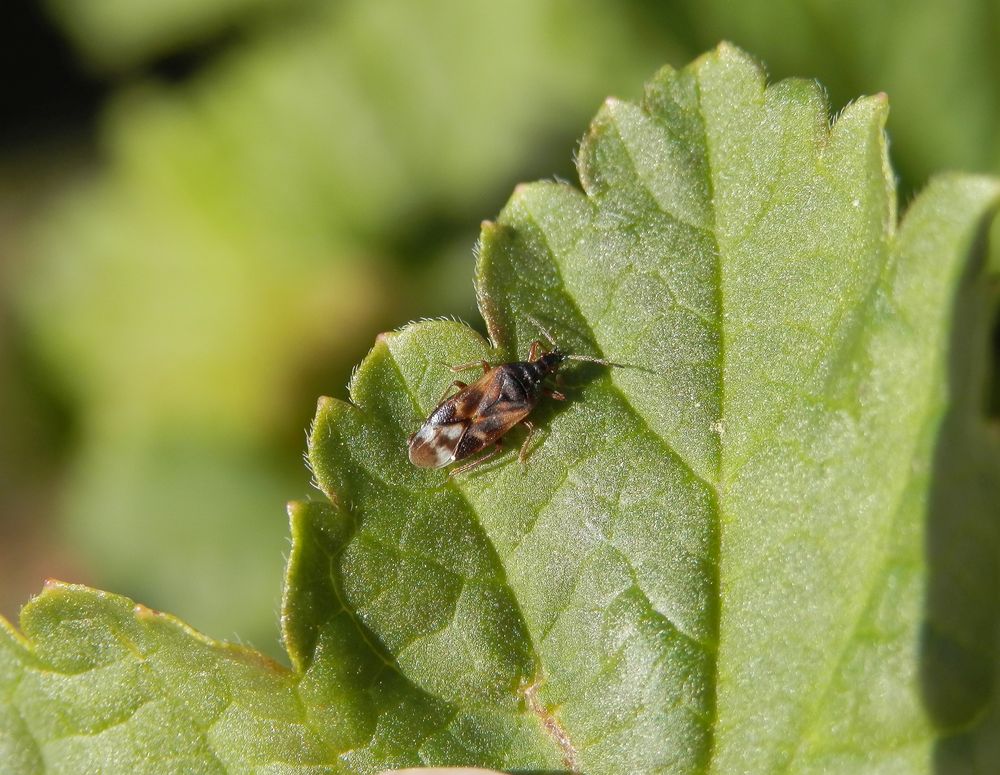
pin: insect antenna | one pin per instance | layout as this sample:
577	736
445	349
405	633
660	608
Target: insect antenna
542	328
588	358
592	359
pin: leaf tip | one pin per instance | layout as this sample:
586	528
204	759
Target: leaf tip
144	612
864	109
726	48
521	190
727	51
297	512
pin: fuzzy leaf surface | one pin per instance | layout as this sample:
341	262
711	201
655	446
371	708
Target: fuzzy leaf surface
710	560
714	561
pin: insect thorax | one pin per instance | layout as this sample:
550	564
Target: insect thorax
527	376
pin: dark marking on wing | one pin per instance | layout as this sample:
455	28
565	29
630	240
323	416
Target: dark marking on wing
506	392
488	431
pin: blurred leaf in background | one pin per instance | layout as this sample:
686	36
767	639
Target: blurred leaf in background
249	231
122	34
37	426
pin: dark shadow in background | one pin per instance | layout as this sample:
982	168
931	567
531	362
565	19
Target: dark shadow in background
45	91
962	544
46	127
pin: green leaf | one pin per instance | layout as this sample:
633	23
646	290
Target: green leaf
712	561
106	685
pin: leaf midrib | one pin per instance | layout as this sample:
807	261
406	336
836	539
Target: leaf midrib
620	394
502	577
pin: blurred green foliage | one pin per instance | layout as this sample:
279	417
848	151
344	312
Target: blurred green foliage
319	175
248	232
117	34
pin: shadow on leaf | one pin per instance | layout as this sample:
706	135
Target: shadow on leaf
959	648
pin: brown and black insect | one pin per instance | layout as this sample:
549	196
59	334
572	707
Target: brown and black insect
479	415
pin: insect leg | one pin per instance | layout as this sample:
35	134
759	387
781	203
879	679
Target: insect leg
533	350
456	383
554	394
474	364
522	456
475	463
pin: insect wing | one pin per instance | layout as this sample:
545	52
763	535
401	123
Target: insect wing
471	420
502	405
435	444
504	401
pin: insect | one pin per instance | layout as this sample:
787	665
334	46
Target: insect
479	415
